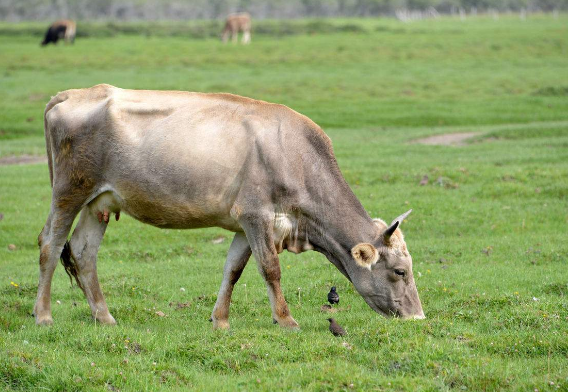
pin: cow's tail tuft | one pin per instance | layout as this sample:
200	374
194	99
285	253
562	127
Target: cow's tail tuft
70	264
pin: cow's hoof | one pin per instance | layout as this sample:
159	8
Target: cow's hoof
220	324
288	322
44	320
106	319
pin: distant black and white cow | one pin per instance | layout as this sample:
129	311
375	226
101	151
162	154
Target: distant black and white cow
62	29
185	160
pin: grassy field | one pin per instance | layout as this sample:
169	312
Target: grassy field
488	233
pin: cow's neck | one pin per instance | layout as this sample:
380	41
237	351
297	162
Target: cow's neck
335	221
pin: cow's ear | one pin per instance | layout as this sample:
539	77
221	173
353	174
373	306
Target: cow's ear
365	255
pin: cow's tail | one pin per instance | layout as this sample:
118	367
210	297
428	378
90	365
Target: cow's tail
47	130
67	259
70	265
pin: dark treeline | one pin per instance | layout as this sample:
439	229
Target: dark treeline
17	10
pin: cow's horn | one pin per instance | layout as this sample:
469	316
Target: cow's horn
395	223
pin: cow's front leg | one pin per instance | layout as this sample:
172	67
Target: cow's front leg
237	258
259	231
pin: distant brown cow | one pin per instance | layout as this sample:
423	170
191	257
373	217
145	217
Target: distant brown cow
62	29
236	23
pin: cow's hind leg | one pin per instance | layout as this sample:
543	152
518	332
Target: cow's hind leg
83	248
225	36
259	234
237	258
51	241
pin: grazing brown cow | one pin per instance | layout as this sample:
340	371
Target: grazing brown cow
183	160
62	29
236	23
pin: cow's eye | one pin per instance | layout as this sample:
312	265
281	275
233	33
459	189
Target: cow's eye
400	272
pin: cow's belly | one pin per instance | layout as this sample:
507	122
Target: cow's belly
179	214
163	209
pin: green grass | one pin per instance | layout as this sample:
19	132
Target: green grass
488	240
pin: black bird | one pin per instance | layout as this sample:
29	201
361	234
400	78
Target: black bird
332	296
335	328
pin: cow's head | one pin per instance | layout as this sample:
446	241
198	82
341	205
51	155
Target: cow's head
384	275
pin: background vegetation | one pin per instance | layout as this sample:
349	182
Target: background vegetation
488	232
17	10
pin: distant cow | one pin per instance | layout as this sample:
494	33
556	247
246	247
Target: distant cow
182	160
236	23
62	29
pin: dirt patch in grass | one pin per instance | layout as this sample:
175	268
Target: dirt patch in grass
22	160
447	139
